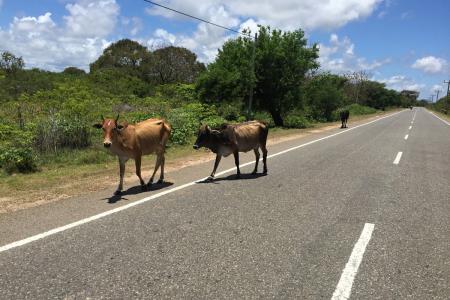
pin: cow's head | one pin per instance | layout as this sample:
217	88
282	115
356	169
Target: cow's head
202	137
110	128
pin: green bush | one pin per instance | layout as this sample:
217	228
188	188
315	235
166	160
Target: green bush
16	152
230	112
264	116
357	109
58	132
296	121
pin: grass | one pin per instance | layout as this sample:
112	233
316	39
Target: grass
74	172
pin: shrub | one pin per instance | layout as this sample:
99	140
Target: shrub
230	112
264	116
296	121
16	152
58	132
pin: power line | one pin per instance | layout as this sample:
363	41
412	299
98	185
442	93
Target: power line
199	19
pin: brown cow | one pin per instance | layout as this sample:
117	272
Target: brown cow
132	141
234	139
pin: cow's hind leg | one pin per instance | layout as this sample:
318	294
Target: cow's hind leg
163	161
236	162
264	151
122	162
157	165
255	170
138	172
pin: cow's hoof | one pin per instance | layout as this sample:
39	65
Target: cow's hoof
265	172
144	187
210	178
161	181
118	193
238	176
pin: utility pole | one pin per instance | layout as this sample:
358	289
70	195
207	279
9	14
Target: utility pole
448	86
250	96
447	98
437	94
432	98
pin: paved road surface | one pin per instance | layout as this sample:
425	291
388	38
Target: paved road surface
295	233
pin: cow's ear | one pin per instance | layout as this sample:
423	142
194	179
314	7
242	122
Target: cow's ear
122	126
208	130
98	125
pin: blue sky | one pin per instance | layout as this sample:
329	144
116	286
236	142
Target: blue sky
405	44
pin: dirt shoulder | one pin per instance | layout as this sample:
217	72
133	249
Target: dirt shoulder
23	191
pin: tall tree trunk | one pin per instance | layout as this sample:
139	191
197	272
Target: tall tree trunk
276	116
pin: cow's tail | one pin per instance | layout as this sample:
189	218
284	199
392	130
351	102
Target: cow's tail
264	132
165	133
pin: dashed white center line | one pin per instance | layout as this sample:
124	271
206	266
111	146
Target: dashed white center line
344	286
406	136
410	127
397	158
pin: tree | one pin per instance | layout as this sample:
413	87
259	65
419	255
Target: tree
355	85
324	94
74	71
173	65
282	60
125	55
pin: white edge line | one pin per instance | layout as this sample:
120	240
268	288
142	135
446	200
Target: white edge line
397	158
406	136
410	127
344	287
158	195
439	118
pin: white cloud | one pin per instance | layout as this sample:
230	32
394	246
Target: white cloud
89	18
339	57
401	82
284	14
44	44
430	64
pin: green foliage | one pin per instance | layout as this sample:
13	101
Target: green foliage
59	132
186	120
16	152
282	60
265	117
126	56
173	65
357	109
325	95
74	71
296	121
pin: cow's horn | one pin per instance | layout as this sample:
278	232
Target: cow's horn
117	118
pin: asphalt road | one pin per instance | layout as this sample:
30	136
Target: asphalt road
294	233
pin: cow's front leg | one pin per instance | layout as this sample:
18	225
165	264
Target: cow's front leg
216	164
255	170
122	162
236	162
137	162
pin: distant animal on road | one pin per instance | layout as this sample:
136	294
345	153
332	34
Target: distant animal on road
410	107
135	140
344	114
232	139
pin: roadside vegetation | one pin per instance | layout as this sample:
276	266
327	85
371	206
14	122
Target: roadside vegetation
46	117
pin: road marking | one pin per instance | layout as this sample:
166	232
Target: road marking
397	158
410	127
158	195
439	118
344	286
406	136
